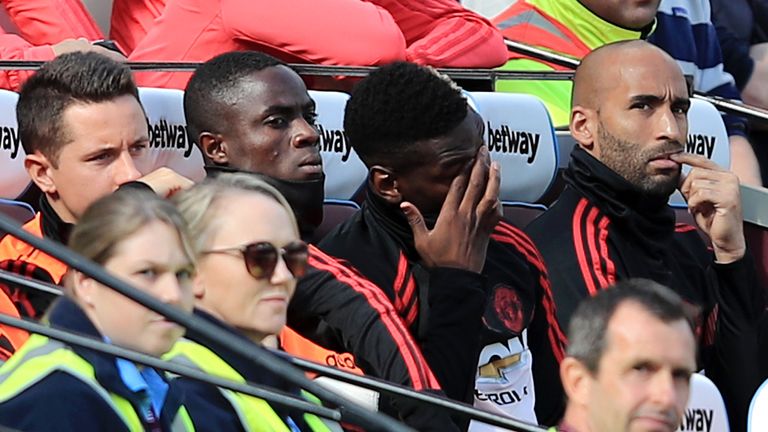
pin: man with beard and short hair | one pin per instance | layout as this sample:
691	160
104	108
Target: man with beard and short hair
612	221
630	358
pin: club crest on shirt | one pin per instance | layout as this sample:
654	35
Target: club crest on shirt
506	310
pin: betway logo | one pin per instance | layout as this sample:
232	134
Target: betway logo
506	141
164	135
334	141
699	420
699	144
9	141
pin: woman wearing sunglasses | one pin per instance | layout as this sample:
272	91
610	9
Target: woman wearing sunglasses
249	257
48	385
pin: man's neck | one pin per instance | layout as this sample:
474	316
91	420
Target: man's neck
575	420
61	210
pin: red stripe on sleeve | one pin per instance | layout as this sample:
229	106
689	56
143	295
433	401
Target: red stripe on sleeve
521	241
609	265
578	244
418	370
597	266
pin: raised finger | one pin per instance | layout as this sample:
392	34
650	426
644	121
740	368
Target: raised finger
695	161
478	181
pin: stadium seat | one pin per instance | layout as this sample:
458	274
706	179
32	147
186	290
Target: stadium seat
706	137
344	171
334	213
13	177
757	419
706	409
519	135
16	210
169	144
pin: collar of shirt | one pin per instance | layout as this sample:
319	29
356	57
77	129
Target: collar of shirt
145	380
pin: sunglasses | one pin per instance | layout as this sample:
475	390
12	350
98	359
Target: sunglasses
261	258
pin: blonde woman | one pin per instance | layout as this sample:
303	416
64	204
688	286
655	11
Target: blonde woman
48	385
249	257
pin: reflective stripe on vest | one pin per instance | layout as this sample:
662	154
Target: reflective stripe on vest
41	356
256	415
526	22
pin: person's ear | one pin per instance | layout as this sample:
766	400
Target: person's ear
83	287
577	380
214	148
384	183
198	287
583	127
39	168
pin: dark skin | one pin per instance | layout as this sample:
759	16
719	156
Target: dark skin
457	177
269	129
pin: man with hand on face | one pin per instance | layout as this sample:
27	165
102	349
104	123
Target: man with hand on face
249	112
631	354
85	134
429	235
612	221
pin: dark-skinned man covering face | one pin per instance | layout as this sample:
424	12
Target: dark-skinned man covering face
429	229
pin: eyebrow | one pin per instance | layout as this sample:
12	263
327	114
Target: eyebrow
287	109
651	99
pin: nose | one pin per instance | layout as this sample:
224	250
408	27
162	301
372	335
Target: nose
672	127
170	291
306	134
125	169
281	275
664	392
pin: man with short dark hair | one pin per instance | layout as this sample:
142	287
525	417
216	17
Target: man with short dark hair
249	112
612	221
430	225
630	357
85	134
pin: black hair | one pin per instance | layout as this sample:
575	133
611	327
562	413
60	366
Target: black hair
215	84
78	77
397	105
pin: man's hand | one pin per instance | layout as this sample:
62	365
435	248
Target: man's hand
166	182
714	200
469	214
82	45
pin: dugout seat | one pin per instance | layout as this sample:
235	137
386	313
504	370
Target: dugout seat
13	177
757	418
18	211
706	137
345	173
705	407
520	136
169	144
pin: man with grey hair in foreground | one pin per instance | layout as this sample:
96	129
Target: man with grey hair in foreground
631	355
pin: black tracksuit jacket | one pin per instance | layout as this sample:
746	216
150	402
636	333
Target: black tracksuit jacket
601	229
458	316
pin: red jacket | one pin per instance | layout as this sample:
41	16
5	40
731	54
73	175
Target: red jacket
47	22
335	32
132	19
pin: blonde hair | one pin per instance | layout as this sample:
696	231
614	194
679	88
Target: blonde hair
117	216
199	204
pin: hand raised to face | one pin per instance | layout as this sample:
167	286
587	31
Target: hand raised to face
471	210
714	200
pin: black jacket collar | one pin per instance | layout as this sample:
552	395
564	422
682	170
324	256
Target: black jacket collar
53	227
648	219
